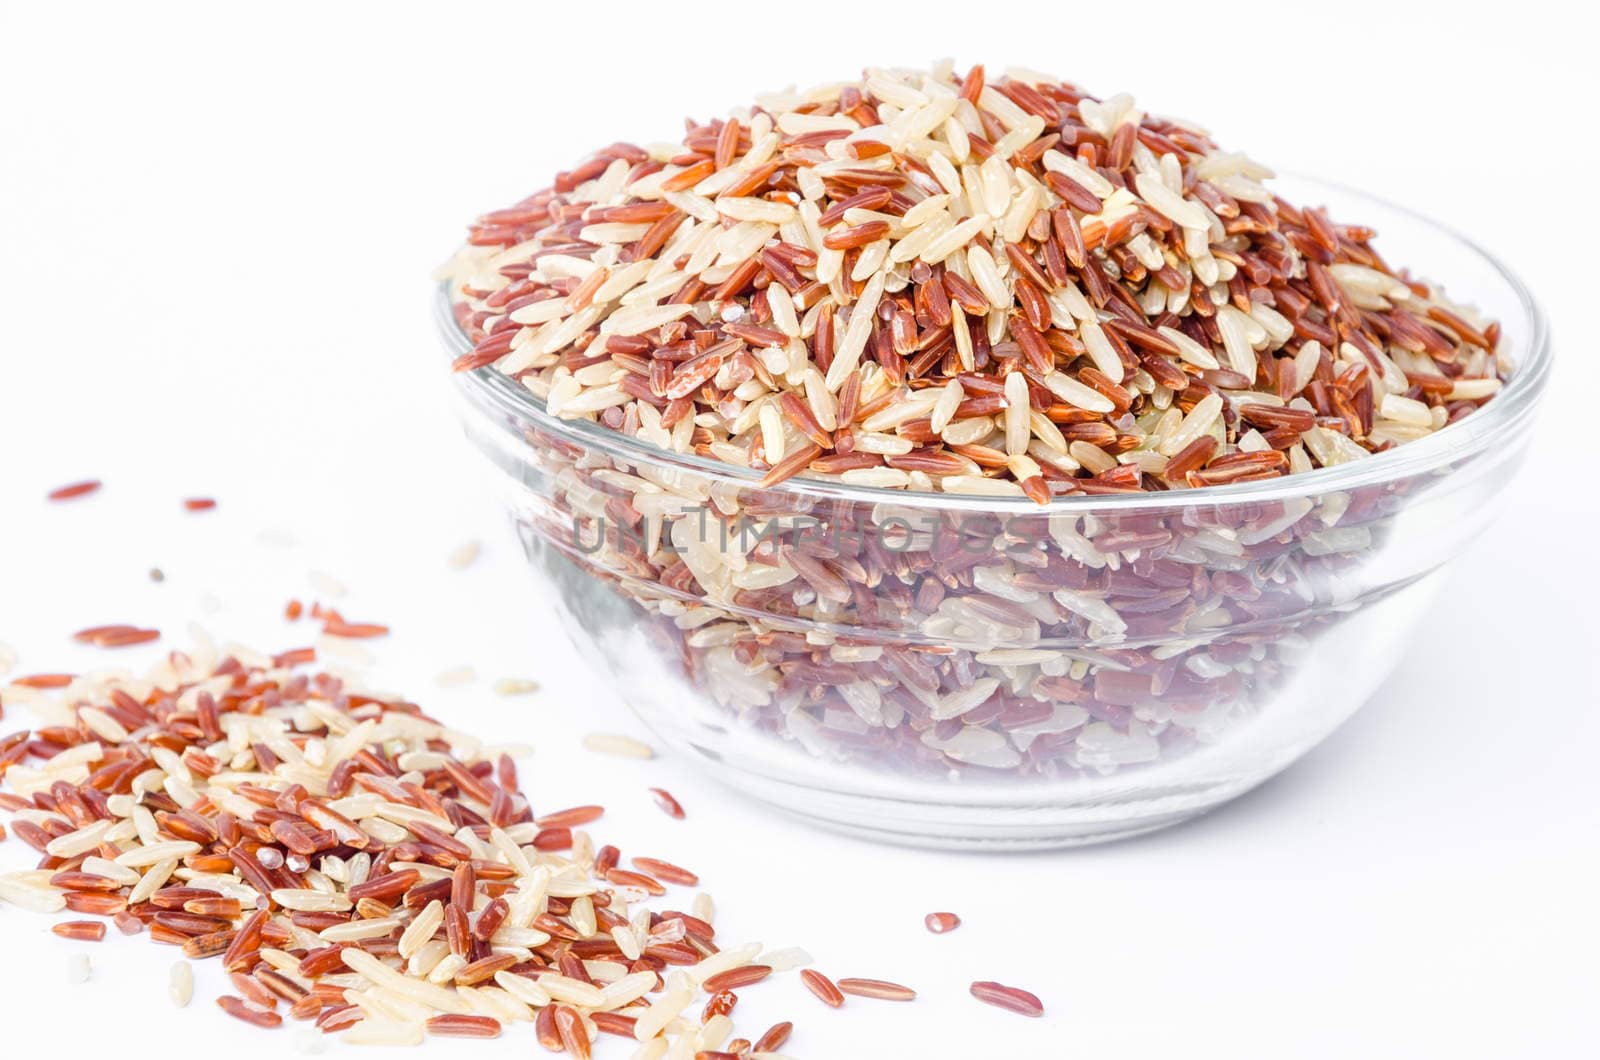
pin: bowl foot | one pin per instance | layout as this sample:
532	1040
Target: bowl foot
996	826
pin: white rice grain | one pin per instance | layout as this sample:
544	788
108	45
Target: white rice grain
617	745
180	984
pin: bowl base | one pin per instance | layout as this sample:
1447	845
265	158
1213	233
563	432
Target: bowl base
999	827
984	840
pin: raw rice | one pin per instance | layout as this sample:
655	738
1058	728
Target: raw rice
823	987
455	677
80	930
668	805
881	989
620	746
413	894
74	490
1013	236
1010	998
464	555
180	984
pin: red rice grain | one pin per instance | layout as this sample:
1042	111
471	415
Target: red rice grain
822	987
80	930
881	989
281	985
774	1039
338	1018
734	978
665	870
337	627
544	1029
239	1010
307	1008
669	805
613	1023
96	904
462	1026
129	638
1009	998
939	923
721	1004
253	991
45	681
569	1025
115	636
76	489
571	817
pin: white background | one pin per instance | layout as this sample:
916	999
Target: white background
216	230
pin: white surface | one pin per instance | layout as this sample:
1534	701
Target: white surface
216	228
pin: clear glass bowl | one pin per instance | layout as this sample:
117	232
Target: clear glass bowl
951	671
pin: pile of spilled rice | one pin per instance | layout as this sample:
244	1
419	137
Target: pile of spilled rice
358	866
354	863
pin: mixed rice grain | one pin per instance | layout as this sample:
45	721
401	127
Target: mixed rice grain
932	282
351	863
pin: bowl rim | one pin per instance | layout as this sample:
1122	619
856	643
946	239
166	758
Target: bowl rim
1469	435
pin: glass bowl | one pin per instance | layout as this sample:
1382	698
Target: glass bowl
953	670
